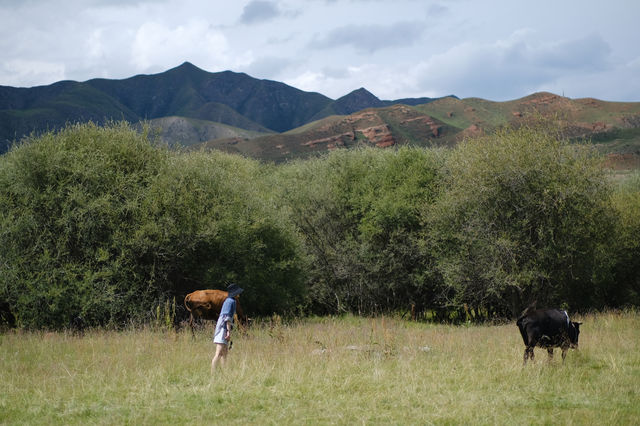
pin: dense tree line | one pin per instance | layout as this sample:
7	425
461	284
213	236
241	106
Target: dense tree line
104	223
359	216
525	217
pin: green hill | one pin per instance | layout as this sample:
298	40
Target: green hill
614	127
184	132
228	98
191	92
381	127
234	99
270	120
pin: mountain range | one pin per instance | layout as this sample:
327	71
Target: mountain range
273	121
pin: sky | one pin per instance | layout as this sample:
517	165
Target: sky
493	49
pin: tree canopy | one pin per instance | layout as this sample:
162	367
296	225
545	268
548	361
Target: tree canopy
105	223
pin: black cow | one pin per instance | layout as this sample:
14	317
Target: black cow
547	328
77	325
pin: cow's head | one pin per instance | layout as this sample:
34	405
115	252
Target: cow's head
574	332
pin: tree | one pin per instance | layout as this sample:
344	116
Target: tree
358	214
525	217
624	287
103	223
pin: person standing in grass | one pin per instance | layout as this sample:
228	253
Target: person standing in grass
222	333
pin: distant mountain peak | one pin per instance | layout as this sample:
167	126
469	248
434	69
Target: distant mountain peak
360	93
186	67
186	64
357	100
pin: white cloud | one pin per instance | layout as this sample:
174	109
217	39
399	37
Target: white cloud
588	53
384	82
405	48
513	67
634	64
619	83
94	45
158	46
309	81
370	38
267	67
504	69
27	73
259	11
437	10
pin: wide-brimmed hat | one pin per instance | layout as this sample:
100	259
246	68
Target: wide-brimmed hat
234	290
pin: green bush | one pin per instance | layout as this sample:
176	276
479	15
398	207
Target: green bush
525	217
624	288
67	201
101	223
358	213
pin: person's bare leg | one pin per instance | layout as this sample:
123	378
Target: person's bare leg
220	357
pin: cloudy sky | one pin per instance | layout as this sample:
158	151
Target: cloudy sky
494	49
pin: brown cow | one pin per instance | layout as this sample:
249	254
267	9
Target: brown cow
206	304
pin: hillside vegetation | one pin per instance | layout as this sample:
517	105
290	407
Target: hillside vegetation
214	99
180	132
108	224
612	126
271	121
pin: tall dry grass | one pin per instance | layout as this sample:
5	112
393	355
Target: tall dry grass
323	371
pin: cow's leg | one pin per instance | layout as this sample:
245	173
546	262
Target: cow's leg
193	333
564	352
550	352
528	353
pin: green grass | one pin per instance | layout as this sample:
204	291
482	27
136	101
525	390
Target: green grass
323	371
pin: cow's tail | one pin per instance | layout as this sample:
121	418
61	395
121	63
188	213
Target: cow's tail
186	302
521	322
187	299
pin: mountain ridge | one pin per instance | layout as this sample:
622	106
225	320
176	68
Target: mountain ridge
612	127
226	97
270	120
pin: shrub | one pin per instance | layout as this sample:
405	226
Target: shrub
624	288
358	214
525	217
100	222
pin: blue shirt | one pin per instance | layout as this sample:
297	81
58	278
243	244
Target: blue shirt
228	307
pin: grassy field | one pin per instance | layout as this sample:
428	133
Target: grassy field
323	371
